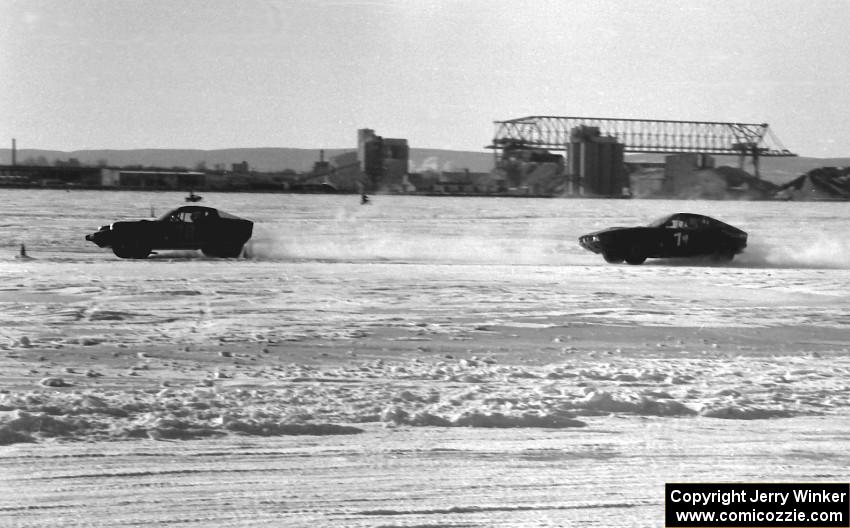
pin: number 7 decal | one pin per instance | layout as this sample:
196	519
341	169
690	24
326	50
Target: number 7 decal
681	239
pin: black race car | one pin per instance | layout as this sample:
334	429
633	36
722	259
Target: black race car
677	235
214	232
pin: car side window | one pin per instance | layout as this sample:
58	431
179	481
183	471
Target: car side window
699	222
687	223
184	217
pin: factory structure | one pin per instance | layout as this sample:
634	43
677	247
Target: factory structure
533	156
581	156
378	164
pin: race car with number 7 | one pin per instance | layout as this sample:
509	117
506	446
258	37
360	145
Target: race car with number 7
680	235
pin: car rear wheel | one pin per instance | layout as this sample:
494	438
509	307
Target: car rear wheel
222	251
724	256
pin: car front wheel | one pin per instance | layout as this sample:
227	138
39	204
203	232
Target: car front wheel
612	258
636	256
131	252
724	256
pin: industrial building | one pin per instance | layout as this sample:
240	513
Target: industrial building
154	179
534	156
378	164
53	176
596	163
383	161
99	177
466	182
595	147
822	184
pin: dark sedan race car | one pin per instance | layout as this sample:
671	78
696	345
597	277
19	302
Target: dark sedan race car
677	235
214	232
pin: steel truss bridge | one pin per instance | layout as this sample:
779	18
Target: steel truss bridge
643	135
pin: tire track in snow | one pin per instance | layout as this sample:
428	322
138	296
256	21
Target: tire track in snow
411	476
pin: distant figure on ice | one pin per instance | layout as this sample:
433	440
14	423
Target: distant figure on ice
23	254
193	197
364	199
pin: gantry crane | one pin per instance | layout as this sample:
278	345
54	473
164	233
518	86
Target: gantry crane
643	135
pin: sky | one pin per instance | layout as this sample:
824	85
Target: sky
128	74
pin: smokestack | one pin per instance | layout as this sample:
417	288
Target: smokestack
14	152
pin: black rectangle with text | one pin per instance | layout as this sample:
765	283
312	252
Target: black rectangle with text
746	505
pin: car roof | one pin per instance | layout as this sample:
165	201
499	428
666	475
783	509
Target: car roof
212	211
193	208
188	209
685	216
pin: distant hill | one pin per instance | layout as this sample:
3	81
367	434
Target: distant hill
259	159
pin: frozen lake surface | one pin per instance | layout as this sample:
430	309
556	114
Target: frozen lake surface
452	361
323	264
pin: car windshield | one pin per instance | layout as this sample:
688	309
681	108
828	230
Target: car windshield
185	215
684	221
660	222
170	215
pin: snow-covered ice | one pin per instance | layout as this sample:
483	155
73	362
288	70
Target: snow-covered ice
365	347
